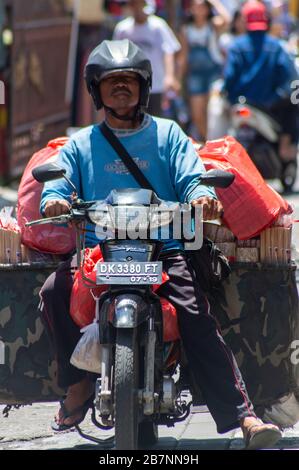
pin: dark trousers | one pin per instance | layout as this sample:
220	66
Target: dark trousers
212	362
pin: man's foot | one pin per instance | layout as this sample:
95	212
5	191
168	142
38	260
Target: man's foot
259	435
75	405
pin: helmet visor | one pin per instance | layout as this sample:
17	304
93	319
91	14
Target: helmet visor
144	74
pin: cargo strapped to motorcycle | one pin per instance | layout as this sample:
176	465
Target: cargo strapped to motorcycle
209	263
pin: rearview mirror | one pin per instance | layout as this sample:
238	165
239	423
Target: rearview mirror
48	172
217	178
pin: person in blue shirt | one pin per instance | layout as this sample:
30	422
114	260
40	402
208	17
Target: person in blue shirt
118	77
261	70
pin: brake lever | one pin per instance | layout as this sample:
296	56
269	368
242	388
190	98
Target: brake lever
60	219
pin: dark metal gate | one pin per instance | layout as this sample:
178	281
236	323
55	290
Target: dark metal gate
39	58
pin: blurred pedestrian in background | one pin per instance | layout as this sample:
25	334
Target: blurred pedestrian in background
261	70
218	109
282	22
237	28
200	59
153	35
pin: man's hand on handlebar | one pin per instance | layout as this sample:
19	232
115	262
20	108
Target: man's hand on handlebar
56	208
212	208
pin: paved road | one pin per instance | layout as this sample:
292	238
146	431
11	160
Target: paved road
29	427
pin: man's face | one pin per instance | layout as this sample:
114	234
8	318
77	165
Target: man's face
137	6
120	91
200	9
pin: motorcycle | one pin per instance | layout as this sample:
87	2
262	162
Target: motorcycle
139	387
260	133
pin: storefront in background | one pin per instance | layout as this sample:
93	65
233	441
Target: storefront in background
35	74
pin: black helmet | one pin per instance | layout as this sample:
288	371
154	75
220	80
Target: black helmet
117	56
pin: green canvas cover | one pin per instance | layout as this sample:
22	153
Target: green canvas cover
28	374
256	308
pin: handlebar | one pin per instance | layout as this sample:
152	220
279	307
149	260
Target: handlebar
79	208
77	213
60	219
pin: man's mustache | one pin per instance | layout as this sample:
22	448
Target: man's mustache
121	89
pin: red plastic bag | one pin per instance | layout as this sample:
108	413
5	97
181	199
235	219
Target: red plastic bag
46	238
82	306
250	205
170	321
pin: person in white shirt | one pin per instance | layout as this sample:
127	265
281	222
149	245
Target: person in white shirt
153	35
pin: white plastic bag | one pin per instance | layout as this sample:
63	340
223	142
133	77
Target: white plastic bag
87	353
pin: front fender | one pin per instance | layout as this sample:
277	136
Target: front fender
130	310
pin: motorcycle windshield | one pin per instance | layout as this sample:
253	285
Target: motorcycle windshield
133	217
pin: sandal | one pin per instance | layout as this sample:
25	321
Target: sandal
265	436
66	414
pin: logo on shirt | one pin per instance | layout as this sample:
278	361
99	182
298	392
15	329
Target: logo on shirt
118	167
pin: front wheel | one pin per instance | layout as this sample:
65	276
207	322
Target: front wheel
148	434
126	381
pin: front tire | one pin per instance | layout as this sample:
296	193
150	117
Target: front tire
126	381
148	434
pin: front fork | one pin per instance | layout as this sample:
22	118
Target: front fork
147	396
158	393
104	399
129	312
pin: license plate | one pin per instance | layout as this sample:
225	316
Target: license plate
140	273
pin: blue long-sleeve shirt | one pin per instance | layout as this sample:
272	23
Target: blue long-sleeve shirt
160	148
259	68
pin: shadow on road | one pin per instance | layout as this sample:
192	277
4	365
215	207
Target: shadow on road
167	443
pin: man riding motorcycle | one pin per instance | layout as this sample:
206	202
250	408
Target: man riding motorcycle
118	77
261	70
